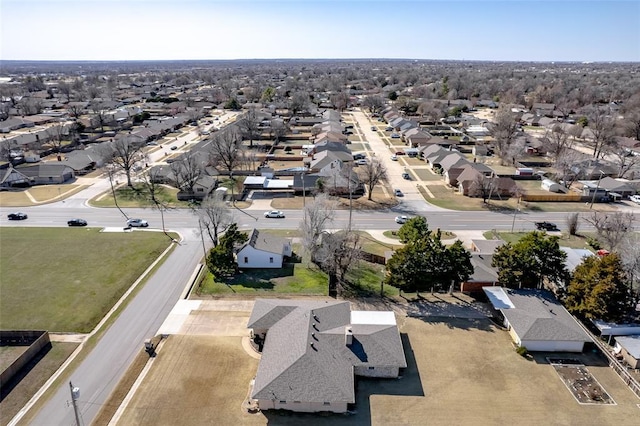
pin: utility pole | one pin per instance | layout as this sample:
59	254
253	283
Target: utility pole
75	394
304	198
596	191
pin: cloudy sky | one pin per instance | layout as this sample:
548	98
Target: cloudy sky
561	30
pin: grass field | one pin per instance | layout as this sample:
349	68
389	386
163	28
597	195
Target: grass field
65	280
138	196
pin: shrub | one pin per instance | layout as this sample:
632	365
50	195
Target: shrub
593	243
522	351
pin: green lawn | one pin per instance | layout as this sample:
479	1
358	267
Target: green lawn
295	278
138	196
65	280
573	241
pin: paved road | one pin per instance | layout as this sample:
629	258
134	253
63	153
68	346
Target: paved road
103	367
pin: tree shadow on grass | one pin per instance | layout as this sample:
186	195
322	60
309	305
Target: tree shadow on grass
409	384
260	278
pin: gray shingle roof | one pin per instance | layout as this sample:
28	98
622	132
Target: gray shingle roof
305	357
537	315
266	242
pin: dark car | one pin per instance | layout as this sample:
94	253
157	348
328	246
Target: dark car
546	226
77	222
17	216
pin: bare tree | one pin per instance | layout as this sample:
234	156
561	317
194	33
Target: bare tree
567	166
317	214
226	150
5	107
573	223
299	102
29	106
187	170
504	130
374	173
214	217
75	110
603	128
6	146
611	228
279	129
56	135
559	141
623	159
249	125
337	254
123	153
375	103
99	113
65	89
153	187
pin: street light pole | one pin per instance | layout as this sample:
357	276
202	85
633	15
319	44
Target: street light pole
75	394
596	191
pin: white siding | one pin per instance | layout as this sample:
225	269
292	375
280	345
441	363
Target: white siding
302	407
258	259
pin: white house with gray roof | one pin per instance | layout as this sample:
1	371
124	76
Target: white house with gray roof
313	349
263	250
537	321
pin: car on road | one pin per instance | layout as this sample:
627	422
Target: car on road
406	176
361	162
635	199
401	219
388	128
374	128
17	216
398	193
394	157
546	226
173	148
137	223
359	156
395	136
77	222
274	214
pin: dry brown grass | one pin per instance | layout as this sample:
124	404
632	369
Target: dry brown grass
195	380
458	369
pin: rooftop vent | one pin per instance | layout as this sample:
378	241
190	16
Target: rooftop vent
348	336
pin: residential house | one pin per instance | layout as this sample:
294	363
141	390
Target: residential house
14	123
201	188
263	250
313	349
483	274
13	178
48	173
619	187
537	321
629	348
415	137
452	166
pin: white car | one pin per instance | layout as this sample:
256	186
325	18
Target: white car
394	157
137	223
276	214
635	199
401	219
361	162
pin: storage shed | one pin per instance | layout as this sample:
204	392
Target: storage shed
551	186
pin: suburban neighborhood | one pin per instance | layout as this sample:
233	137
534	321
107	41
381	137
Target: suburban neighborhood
321	241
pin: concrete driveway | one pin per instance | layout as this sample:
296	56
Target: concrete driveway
209	318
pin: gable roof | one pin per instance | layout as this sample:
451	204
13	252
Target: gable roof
536	315
266	242
305	357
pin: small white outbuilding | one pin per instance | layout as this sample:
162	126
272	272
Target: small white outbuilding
551	186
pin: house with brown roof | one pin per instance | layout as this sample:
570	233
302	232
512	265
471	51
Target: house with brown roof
313	349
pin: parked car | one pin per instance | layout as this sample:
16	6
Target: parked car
388	128
401	219
398	193
395	136
374	128
277	214
77	222
361	162
359	156
17	216
137	223
394	157
406	176
635	199
546	226
173	148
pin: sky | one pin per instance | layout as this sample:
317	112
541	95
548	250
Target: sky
508	30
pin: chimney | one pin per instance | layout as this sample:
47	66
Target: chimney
348	336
